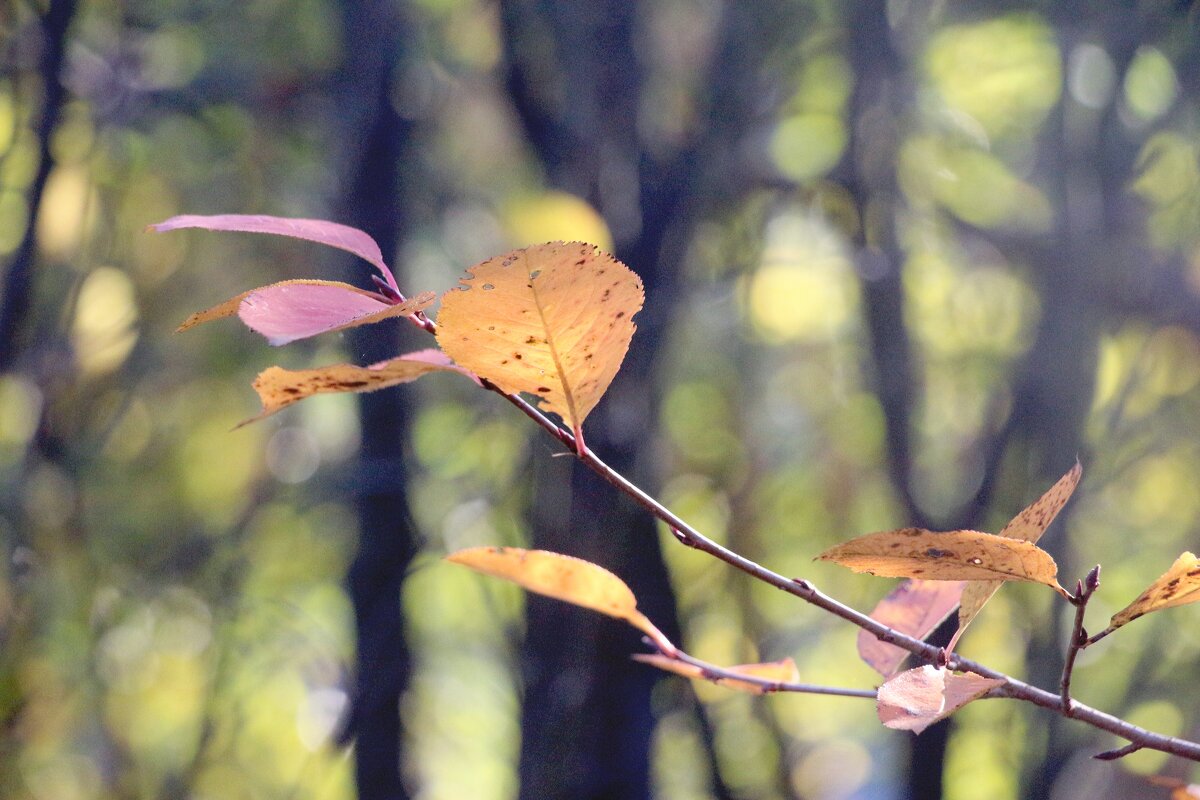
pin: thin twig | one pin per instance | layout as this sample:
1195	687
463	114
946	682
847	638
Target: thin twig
1120	752
806	591
1083	592
717	674
1099	636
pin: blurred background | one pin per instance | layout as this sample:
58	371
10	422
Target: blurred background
904	260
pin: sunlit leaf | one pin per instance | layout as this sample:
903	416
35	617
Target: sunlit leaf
948	556
291	310
554	320
565	578
1027	526
343	237
915	608
278	388
1178	586
917	698
783	671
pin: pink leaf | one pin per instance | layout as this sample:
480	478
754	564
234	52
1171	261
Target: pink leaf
291	310
285	312
914	700
343	237
915	608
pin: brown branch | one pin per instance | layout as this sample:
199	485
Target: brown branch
1083	592
1015	689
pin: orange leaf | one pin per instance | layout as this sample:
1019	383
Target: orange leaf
917	698
1027	526
782	671
915	608
566	578
554	320
278	388
949	556
1178	586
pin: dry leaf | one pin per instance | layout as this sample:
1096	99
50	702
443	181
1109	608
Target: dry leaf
554	320
917	698
278	388
1027	526
783	671
1178	586
566	578
948	556
914	608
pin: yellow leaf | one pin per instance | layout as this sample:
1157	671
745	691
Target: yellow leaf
949	556
1027	526
566	578
1178	586
553	320
917	698
914	608
278	388
783	671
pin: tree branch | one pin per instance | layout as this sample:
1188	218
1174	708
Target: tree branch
1013	688
1083	592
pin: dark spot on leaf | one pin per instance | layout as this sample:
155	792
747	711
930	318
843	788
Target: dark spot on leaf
291	390
354	384
543	388
531	340
518	356
933	552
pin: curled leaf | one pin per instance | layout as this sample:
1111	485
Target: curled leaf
915	608
554	320
565	578
1177	586
291	310
917	698
278	388
782	671
949	556
1027	526
343	237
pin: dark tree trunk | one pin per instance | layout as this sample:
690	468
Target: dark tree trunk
376	139
17	293
577	84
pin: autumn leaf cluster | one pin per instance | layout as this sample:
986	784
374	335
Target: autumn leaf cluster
555	321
